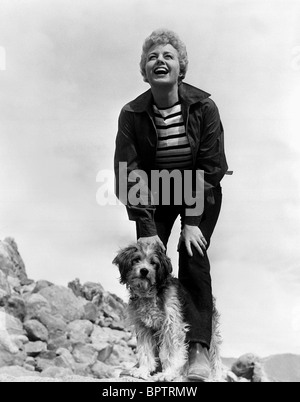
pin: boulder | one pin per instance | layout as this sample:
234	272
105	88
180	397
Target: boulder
11	324
91	312
79	331
15	306
4	284
244	366
64	359
85	354
109	335
101	370
36	331
41	285
35	348
11	262
63	303
121	354
56	372
36	305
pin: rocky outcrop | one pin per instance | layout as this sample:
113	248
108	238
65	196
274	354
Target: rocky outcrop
55	331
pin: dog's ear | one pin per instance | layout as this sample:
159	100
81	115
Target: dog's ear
165	268
124	262
164	259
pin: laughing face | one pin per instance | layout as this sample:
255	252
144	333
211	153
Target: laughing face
162	67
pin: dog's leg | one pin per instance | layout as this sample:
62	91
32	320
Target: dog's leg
146	352
173	348
214	352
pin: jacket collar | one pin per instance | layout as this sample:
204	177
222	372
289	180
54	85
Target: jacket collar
188	94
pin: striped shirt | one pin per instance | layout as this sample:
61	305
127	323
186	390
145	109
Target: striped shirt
174	150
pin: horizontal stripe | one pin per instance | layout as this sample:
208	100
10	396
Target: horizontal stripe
174	150
166	127
168	110
171	116
171	131
175	166
173	144
170	137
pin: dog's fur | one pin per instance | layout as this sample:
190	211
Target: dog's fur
155	309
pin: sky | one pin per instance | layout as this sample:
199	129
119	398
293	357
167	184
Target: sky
66	69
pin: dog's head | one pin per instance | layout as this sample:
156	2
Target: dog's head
144	269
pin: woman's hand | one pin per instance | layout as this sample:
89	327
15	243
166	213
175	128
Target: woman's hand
151	241
192	235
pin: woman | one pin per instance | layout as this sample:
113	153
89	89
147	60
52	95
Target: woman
175	126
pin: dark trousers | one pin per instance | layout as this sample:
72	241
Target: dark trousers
194	272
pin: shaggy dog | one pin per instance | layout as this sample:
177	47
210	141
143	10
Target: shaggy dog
156	310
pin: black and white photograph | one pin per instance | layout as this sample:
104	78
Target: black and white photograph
149	193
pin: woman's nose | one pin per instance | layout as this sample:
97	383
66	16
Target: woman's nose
160	59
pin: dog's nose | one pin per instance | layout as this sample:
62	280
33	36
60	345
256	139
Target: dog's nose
144	272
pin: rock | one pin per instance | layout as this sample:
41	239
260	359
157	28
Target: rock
36	331
14	283
63	303
121	354
16	371
11	324
56	326
102	370
4	284
76	288
105	350
64	359
93	292
36	305
41	285
10	353
85	354
42	364
109	335
35	348
11	262
91	312
83	369
79	331
244	366
15	306
30	362
231	377
56	372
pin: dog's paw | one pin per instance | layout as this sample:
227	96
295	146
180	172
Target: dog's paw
166	377
141	372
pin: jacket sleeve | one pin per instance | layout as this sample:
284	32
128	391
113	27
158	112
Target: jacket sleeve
128	172
211	155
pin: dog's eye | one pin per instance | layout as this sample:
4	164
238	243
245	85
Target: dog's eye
136	260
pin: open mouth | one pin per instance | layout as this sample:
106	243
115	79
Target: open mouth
161	71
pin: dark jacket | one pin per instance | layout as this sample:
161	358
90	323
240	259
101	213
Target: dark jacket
137	142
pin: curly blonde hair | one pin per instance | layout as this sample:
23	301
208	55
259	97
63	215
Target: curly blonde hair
165	37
